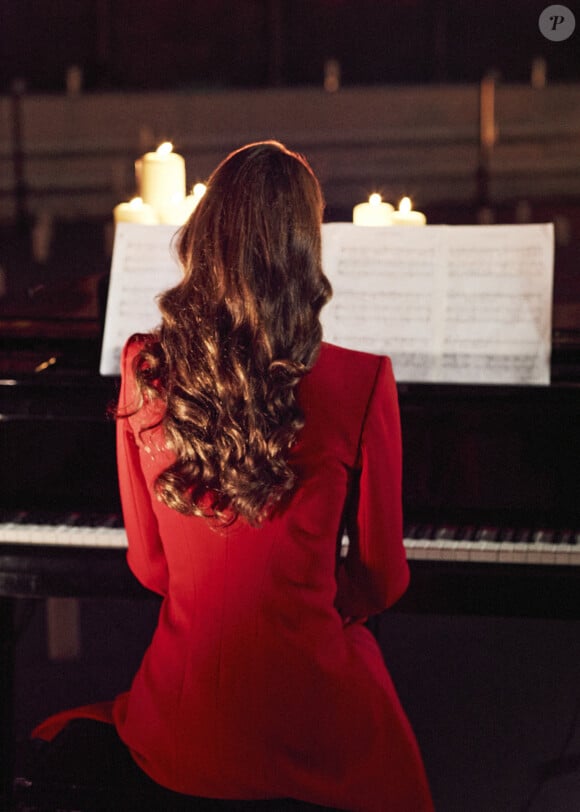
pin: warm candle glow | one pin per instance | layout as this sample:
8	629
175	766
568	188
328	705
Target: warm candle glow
407	216
135	211
161	179
179	213
165	148
374	213
405	205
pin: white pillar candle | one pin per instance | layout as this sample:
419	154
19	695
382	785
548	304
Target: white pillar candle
161	177
406	216
179	214
135	211
191	201
374	213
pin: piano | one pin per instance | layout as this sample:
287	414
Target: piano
491	485
491	473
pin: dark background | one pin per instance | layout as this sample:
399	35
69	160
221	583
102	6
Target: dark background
172	44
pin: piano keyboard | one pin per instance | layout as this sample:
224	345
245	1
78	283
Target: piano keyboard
70	530
493	544
424	542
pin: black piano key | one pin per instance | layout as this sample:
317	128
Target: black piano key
523	535
425	531
73	520
11	516
514	535
94	519
543	536
113	520
506	534
418	530
45	517
569	536
488	534
446	532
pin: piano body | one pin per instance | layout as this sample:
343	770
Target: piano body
491	473
491	483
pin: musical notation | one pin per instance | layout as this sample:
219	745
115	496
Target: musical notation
143	266
456	304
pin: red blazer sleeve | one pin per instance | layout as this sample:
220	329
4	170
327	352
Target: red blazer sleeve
145	555
375	573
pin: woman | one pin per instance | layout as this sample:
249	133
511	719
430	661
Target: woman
245	446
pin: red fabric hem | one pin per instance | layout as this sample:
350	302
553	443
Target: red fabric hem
51	727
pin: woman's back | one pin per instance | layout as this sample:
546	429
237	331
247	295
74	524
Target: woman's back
256	684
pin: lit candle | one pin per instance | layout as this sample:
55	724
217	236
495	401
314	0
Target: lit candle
374	213
179	213
191	201
135	211
161	178
405	216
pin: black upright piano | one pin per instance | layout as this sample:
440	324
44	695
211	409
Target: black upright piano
491	473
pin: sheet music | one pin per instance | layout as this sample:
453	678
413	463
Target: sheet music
143	266
454	304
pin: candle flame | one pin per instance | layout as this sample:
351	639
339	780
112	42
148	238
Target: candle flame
198	190
165	148
375	199
136	203
405	205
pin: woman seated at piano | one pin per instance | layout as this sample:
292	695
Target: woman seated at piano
246	445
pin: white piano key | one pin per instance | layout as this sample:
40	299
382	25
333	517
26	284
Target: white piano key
509	552
414	548
447	549
462	550
568	554
541	553
430	550
485	551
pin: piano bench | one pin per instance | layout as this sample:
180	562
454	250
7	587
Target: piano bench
87	769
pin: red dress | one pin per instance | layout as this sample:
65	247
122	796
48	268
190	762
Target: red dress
261	679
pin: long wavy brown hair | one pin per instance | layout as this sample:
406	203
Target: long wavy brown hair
237	335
